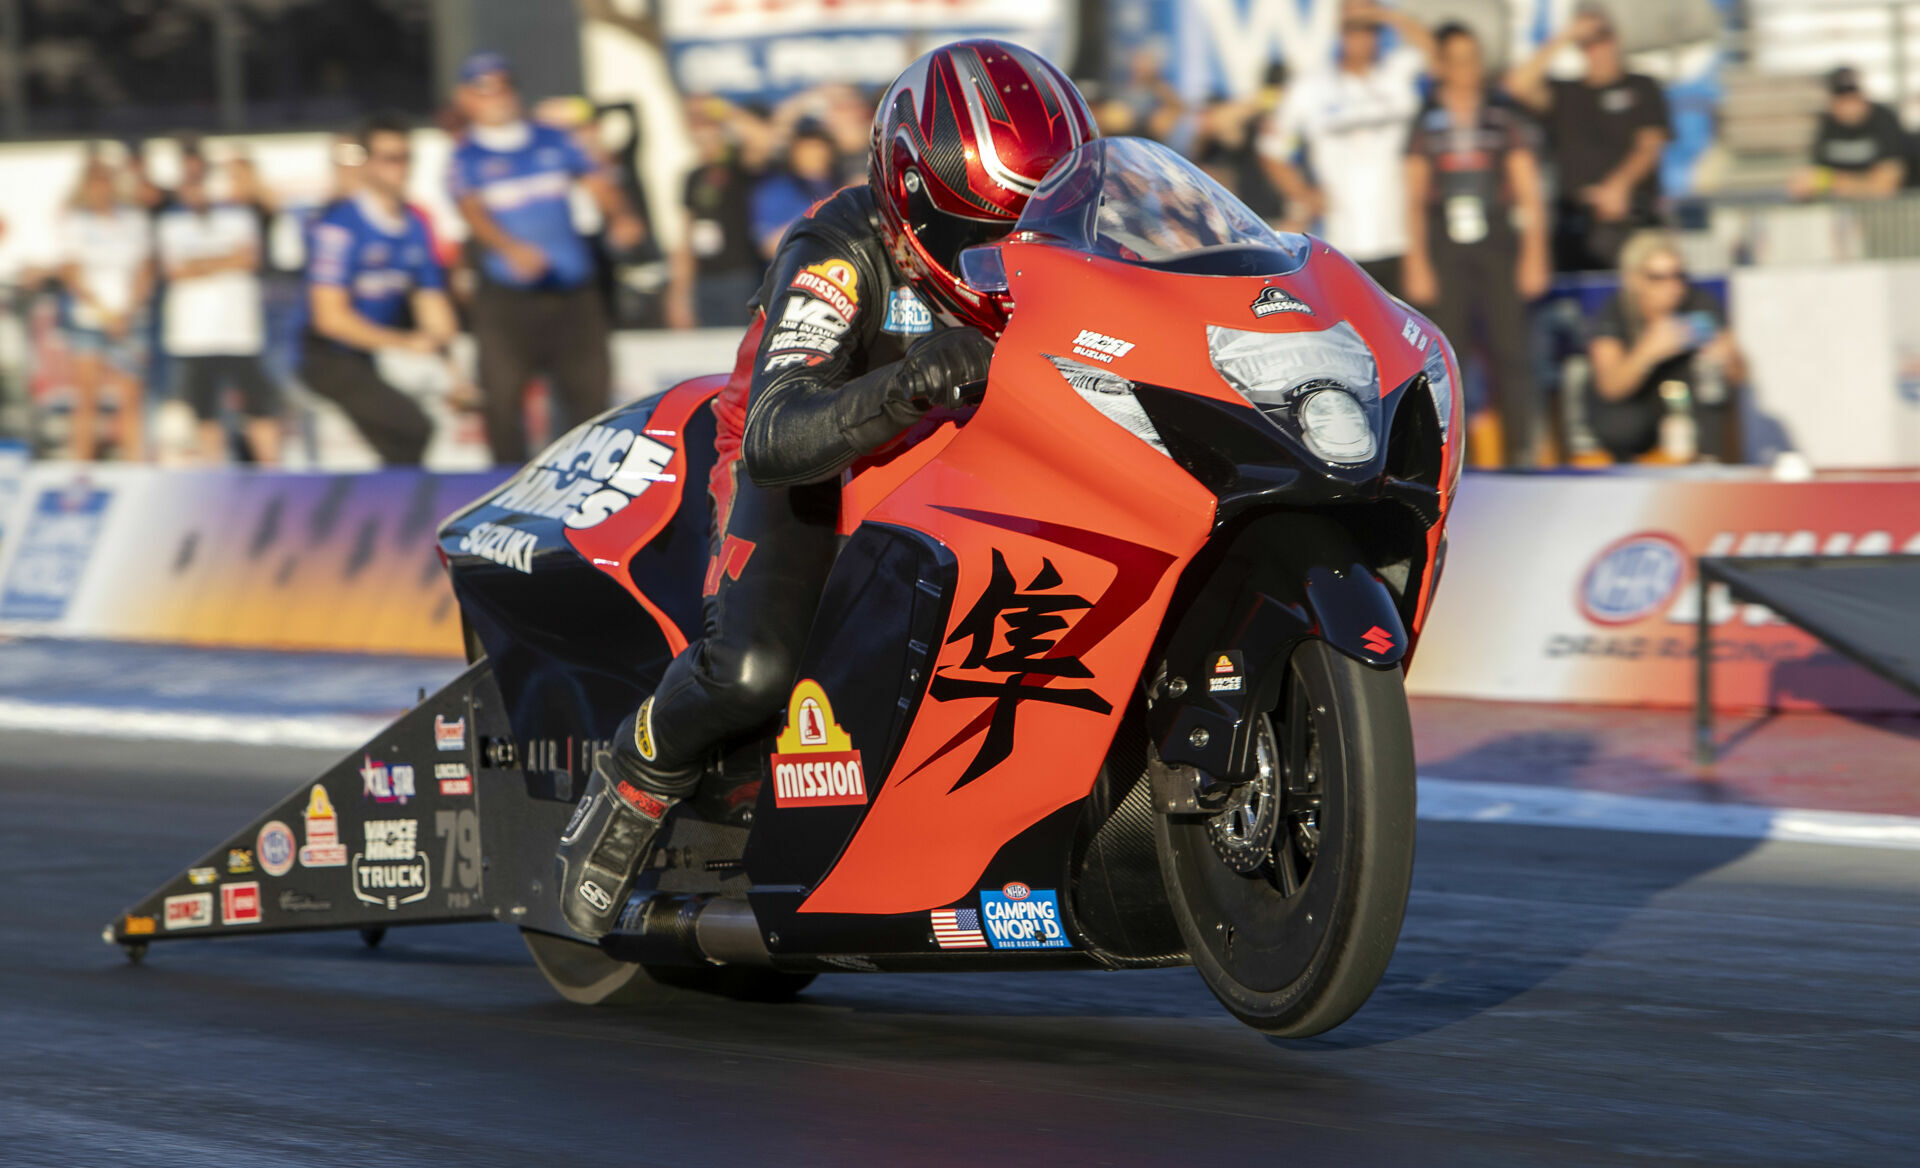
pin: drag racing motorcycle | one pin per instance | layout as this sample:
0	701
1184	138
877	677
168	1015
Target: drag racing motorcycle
1108	673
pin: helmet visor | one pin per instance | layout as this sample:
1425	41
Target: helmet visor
945	234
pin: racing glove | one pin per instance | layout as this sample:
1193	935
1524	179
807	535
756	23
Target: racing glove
878	405
802	428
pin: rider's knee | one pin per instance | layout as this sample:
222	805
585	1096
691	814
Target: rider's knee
754	679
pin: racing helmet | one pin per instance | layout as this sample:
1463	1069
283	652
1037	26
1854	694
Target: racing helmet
960	141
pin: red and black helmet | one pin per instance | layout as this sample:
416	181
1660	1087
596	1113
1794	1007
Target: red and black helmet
959	143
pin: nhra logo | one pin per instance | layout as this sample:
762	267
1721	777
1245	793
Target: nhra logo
814	762
1632	579
1019	917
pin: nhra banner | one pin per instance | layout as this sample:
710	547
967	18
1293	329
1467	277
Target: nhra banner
1581	588
342	562
761	49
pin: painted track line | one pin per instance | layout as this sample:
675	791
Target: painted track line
317	731
1452	801
1441	800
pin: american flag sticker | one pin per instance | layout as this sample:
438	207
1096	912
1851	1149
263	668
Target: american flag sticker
958	928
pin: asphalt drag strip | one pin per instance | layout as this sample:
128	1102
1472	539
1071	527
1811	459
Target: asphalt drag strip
1565	995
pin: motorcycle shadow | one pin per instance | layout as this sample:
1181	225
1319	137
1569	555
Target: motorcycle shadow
1500	910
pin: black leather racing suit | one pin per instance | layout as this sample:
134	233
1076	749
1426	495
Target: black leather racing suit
823	377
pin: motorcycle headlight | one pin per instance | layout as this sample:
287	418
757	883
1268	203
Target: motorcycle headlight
1440	382
1322	387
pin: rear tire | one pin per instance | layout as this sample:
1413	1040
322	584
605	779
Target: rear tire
586	975
1290	898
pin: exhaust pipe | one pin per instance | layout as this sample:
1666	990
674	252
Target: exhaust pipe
687	928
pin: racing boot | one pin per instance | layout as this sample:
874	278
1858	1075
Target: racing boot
612	831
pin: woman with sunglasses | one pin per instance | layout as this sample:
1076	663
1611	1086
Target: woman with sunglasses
1663	360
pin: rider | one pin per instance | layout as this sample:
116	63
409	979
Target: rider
861	326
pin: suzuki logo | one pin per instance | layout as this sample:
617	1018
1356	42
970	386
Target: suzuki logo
1377	640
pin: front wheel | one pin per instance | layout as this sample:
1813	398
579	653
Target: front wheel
1290	895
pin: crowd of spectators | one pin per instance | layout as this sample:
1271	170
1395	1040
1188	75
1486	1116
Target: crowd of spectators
1465	193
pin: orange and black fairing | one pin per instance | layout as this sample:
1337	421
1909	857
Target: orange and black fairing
1144	492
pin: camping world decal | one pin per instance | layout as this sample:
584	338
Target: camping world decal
814	762
1019	917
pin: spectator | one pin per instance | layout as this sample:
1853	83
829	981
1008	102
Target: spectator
1859	151
717	268
537	310
1227	146
373	283
244	189
1663	360
1471	174
1605	133
1352	120
106	265
810	175
212	324
1153	106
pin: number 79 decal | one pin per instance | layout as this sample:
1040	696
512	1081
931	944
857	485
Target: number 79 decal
460	864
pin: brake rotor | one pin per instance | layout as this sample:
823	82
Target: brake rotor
1242	832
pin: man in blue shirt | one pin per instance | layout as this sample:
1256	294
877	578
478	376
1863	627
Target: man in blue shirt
537	311
373	283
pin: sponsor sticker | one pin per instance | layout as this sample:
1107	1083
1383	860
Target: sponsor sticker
274	847
449	735
52	554
906	315
390	869
1226	676
453	777
814	762
1100	347
587	476
240	904
509	547
1414	335
202	876
1029	921
138	926
810	326
1273	299
239	862
324	849
1633	579
645	802
192	911
294	901
957	928
835	282
386	784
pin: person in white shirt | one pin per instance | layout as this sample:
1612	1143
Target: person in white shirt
1352	119
105	258
212	326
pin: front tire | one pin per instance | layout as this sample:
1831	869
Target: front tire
1291	895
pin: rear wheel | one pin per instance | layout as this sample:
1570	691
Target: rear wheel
1290	894
586	974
